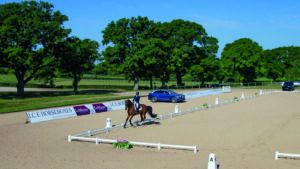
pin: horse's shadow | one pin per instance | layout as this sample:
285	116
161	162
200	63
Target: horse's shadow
147	123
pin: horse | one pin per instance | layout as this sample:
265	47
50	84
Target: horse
129	106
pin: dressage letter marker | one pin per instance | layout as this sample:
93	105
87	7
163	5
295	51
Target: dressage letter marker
212	161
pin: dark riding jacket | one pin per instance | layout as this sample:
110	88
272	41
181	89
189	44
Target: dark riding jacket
136	99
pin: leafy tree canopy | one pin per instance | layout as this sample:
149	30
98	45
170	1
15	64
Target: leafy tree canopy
76	57
282	62
240	60
29	31
139	47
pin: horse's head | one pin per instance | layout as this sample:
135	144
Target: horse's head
127	104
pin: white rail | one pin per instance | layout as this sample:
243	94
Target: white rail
285	155
159	146
173	114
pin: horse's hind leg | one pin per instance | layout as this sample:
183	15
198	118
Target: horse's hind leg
142	118
125	122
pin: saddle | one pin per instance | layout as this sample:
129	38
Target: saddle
139	109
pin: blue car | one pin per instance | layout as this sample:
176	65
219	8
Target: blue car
288	86
165	95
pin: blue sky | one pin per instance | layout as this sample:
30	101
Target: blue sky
271	23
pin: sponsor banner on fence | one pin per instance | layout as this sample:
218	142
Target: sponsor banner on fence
115	105
79	110
99	107
82	110
50	114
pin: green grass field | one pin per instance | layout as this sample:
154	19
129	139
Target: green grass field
90	82
38	100
91	89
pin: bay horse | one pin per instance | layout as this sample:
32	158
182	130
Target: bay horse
129	106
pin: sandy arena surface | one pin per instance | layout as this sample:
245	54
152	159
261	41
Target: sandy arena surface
244	135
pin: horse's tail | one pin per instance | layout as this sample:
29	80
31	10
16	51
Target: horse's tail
149	108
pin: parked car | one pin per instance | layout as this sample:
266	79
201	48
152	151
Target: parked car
165	95
288	86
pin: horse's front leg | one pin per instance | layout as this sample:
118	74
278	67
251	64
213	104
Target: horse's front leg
126	122
130	120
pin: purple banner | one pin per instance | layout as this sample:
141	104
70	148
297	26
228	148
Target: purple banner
99	107
81	110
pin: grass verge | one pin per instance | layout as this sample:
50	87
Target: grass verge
38	100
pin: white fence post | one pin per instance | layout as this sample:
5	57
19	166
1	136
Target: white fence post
276	155
176	109
217	101
89	133
161	117
260	92
243	96
195	149
69	138
108	123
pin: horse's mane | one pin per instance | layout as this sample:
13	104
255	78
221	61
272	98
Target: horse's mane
129	101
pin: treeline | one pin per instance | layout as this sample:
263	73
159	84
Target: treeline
142	49
34	44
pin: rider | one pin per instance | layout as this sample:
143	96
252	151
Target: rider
136	101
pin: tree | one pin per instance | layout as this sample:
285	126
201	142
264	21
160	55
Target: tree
189	44
29	32
151	60
48	74
207	70
123	39
76	57
292	63
101	68
293	73
135	46
240	60
273	63
282	62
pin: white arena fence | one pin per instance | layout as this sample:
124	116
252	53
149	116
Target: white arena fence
159	146
285	155
42	115
86	135
178	113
